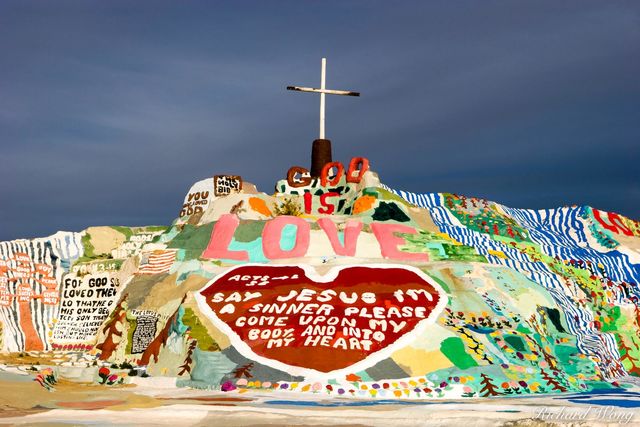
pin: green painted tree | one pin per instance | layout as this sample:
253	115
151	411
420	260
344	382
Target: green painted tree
627	357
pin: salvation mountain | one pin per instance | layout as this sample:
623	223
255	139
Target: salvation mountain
337	284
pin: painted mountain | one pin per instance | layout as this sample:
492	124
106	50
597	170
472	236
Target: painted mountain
337	285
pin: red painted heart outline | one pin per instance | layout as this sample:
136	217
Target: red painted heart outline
315	279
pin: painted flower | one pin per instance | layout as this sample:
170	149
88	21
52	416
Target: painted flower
353	378
104	371
242	382
227	386
467	389
522	383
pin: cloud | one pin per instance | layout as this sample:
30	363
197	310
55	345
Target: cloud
110	111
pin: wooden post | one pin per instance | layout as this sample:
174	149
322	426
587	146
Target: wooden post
320	156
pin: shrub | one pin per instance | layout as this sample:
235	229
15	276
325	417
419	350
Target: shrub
288	207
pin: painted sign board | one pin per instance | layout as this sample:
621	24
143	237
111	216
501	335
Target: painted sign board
291	318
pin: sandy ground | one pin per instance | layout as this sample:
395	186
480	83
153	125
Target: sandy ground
155	401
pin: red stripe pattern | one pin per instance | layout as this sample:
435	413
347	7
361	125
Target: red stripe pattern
156	262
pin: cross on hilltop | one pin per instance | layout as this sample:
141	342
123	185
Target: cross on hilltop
321	150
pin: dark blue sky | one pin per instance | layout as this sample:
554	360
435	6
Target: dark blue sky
110	110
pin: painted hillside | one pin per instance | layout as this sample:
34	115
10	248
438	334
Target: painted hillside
337	285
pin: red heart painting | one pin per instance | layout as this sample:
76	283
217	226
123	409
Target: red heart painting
292	319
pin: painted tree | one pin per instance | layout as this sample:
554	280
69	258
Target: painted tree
243	371
153	350
635	368
551	360
488	389
188	361
114	328
551	381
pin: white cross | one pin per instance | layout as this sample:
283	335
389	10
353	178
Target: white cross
322	91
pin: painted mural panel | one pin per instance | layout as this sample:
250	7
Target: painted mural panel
291	318
224	185
197	199
86	302
144	332
30	273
